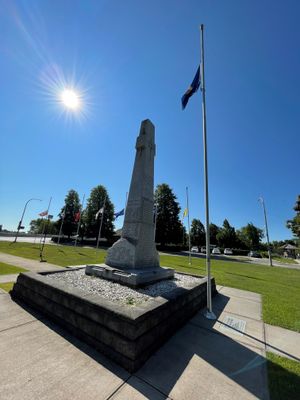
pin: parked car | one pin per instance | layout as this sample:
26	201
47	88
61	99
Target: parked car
216	250
228	252
203	250
195	249
254	254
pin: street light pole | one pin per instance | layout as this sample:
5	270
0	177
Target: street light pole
261	200
20	223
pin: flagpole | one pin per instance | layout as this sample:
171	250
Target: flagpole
44	225
261	199
209	313
43	245
61	225
81	211
100	228
188	209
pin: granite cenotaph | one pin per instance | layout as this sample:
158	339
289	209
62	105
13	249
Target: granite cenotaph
133	260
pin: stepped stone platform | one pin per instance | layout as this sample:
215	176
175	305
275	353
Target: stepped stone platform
127	334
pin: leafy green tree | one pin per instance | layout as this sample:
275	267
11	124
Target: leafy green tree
227	235
94	204
169	229
71	207
294	224
213	233
37	226
250	236
197	233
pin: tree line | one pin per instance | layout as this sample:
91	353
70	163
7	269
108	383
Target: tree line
170	229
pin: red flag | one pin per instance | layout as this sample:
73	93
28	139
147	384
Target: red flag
43	213
77	216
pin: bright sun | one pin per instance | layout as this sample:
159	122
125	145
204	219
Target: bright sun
70	99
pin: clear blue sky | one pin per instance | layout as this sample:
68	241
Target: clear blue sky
133	60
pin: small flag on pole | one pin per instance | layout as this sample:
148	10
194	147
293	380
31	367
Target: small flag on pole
77	216
43	213
118	214
185	213
192	89
99	212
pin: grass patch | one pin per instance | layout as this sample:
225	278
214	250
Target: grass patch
284	377
58	255
7	286
6	269
284	260
279	287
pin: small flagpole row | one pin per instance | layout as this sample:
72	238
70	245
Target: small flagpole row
100	227
79	222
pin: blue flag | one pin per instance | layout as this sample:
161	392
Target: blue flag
118	214
192	89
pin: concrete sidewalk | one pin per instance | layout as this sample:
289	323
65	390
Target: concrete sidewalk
222	359
203	360
30	265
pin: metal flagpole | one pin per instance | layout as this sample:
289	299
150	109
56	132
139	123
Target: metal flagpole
261	199
81	211
188	210
155	220
43	245
209	313
100	228
61	225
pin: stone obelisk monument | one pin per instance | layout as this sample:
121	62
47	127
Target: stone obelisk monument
133	259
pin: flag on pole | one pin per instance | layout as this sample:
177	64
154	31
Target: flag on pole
185	213
77	216
192	89
118	214
99	212
43	213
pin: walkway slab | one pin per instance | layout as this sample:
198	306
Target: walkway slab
8	278
197	363
253	333
283	342
245	294
30	265
11	314
136	389
237	305
40	362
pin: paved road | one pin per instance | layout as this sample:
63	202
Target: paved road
248	260
24	239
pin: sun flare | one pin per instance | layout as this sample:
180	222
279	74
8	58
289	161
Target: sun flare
70	99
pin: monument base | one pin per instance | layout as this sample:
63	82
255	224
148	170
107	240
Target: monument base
130	277
129	335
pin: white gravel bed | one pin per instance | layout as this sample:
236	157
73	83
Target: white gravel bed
119	293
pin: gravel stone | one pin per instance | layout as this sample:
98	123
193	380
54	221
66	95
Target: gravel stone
119	293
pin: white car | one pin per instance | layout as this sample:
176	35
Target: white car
195	249
228	252
216	250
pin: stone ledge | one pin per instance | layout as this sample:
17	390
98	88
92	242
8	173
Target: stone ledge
127	334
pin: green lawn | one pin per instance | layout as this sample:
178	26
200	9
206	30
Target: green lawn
59	255
284	378
280	287
7	286
284	260
6	269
